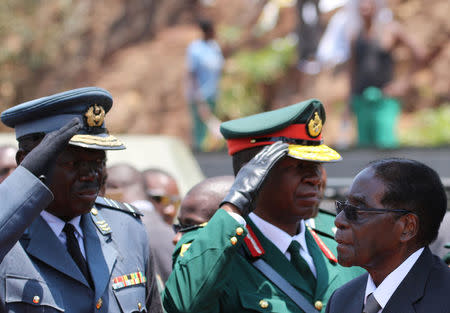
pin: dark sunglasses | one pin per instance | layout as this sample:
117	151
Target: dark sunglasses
165	200
351	211
180	228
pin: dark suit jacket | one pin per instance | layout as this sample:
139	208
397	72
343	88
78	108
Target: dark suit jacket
425	289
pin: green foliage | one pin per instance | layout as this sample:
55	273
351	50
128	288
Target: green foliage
268	64
430	127
247	72
33	35
229	34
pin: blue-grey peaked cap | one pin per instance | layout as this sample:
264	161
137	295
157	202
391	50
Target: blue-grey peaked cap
50	113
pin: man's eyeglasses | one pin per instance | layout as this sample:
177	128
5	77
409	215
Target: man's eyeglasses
351	211
181	228
164	199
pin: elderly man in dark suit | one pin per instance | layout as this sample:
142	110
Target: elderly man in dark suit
392	213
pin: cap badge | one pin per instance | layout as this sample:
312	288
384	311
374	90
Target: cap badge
315	126
95	115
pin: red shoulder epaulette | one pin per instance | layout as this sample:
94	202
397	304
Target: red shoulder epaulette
330	256
253	243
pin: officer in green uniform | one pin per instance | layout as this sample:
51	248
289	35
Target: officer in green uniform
257	253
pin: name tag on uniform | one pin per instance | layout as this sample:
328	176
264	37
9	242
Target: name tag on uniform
132	279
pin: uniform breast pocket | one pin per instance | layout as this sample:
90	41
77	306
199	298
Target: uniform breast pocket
259	303
131	299
31	296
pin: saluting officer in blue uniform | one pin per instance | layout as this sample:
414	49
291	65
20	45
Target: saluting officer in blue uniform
23	194
83	253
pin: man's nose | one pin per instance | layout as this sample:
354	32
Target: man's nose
89	171
312	179
170	210
340	221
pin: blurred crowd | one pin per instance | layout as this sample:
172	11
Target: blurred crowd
265	239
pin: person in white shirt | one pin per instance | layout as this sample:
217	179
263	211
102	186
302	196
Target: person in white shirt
392	214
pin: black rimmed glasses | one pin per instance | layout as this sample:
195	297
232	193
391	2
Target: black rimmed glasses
351	211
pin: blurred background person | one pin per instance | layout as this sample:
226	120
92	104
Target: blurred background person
441	246
205	64
309	31
200	204
374	92
125	183
162	190
7	161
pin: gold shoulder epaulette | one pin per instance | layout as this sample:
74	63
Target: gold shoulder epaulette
100	222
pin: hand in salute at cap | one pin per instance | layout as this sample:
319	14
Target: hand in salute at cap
24	195
41	159
242	195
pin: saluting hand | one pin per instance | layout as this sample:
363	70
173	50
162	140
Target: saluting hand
251	176
42	158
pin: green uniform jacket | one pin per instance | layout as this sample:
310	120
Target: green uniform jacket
216	275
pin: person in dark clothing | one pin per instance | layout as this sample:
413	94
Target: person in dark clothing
374	92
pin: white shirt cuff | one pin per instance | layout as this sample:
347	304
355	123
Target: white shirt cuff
238	218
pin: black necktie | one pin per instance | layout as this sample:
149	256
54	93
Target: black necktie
301	265
74	250
372	305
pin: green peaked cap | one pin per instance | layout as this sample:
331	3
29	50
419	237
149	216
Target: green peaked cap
272	121
299	125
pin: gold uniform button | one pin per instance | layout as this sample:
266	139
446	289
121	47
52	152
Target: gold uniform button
318	305
94	211
139	306
263	304
36	299
239	231
99	303
233	240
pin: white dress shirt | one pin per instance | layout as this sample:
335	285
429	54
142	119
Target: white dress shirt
57	225
282	240
386	289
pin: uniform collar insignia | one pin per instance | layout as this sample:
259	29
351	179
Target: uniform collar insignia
253	243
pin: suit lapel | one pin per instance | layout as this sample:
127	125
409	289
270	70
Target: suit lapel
45	246
412	287
355	302
101	255
280	263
